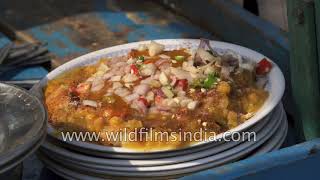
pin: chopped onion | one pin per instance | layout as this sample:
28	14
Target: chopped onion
97	84
141	89
142	47
131	61
116	85
139	105
120	64
163	79
150	96
122	92
131	97
167	92
162	61
247	66
163	56
129	78
148	69
155	48
115	78
185	102
107	75
90	103
181	74
192	105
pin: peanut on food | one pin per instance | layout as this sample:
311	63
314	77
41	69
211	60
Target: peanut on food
232	119
224	87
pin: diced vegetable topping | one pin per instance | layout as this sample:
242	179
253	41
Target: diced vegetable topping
166	90
134	69
263	67
144	101
210	81
141	58
179	58
183	83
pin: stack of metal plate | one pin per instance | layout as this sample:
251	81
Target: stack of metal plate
71	163
262	133
22	125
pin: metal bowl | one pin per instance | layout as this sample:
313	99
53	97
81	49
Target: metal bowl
22	117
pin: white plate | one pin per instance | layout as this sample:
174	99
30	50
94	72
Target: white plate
155	174
275	142
226	156
67	155
18	132
275	85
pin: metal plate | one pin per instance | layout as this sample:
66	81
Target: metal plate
22	117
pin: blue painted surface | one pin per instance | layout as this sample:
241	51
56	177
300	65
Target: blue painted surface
296	162
35	72
58	41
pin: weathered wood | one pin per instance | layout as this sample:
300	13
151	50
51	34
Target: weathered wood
234	24
304	66
94	24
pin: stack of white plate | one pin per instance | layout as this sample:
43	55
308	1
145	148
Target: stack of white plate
81	160
22	126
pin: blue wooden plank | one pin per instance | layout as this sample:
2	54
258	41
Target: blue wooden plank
295	162
96	25
59	41
143	30
34	72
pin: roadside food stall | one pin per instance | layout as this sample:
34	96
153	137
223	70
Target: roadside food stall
37	38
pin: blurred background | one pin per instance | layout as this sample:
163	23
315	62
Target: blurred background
72	28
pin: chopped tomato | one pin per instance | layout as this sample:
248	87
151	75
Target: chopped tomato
144	101
148	61
134	69
263	67
158	99
183	83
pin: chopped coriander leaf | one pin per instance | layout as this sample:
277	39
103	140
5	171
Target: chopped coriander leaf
197	83
179	58
141	58
210	81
